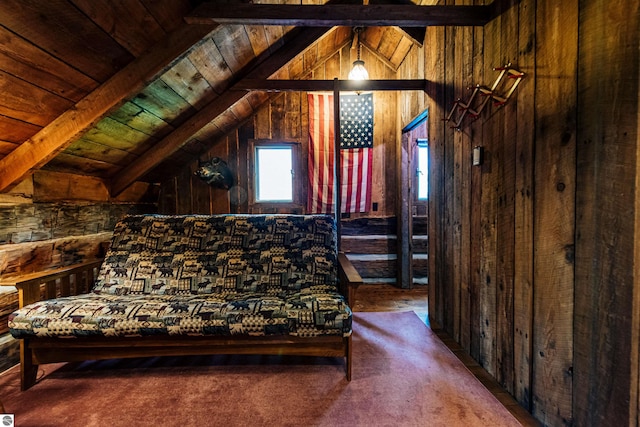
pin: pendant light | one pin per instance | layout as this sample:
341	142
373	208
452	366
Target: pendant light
358	72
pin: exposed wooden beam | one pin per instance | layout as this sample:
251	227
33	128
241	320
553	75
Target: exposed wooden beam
351	15
261	70
416	34
328	85
69	126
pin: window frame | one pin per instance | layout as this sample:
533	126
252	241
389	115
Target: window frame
297	179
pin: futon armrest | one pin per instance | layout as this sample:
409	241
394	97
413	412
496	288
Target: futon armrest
349	277
52	283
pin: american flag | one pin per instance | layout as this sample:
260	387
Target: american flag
356	152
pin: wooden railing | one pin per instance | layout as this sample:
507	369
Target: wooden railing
64	281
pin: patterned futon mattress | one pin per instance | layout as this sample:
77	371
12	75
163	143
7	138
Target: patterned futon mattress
205	275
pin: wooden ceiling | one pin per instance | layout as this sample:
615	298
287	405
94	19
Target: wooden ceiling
128	90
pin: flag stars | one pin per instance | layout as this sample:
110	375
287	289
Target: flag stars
356	121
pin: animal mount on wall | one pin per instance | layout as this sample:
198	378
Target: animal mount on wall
215	172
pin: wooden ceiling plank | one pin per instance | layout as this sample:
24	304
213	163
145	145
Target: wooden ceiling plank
67	127
23	101
6	147
95	151
274	35
23	59
70	36
416	34
137	30
207	133
172	142
257	38
351	15
186	81
16	131
401	51
135	117
390	65
160	99
168	13
209	62
372	37
234	46
114	134
69	163
389	43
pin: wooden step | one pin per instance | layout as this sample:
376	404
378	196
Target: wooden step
369	244
420	265
374	265
420	243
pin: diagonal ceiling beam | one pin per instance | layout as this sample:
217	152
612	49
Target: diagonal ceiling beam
70	125
351	15
300	39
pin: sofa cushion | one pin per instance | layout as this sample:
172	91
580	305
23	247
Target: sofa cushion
314	311
216	254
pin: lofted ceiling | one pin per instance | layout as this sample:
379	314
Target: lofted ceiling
129	90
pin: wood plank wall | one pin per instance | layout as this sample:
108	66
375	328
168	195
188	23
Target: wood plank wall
55	219
533	269
607	308
285	118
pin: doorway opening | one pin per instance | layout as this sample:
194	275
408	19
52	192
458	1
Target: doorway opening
416	138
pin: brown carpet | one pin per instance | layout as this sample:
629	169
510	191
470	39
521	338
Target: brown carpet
403	375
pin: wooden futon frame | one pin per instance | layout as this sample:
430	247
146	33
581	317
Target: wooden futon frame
78	279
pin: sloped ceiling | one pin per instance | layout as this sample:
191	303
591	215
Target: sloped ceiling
116	89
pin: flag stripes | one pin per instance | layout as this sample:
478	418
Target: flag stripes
355	163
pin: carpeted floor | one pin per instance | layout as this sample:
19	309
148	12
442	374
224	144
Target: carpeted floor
403	375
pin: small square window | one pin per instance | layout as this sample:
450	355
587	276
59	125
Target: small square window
274	173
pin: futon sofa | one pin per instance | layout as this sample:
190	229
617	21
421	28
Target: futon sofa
195	284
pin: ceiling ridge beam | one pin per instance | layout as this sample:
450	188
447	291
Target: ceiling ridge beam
300	40
351	15
275	85
70	125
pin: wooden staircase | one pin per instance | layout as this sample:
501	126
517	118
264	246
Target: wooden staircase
371	245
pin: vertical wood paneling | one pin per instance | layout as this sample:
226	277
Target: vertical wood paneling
464	55
523	245
277	117
183	192
450	289
220	196
554	210
200	194
607	310
492	141
167	200
434	68
506	206
404	268
476	130
458	153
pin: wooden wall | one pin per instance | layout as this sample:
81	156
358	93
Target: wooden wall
533	255
285	118
54	219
